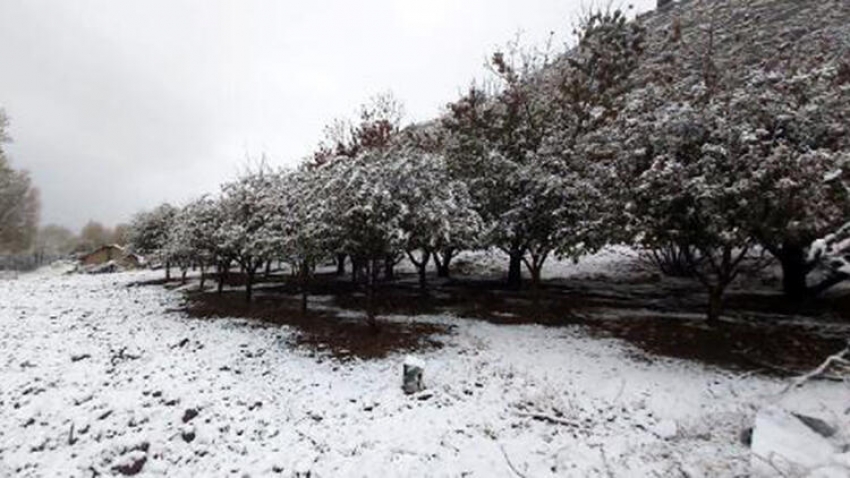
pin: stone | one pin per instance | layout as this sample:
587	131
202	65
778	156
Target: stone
133	463
189	414
412	375
783	444
817	425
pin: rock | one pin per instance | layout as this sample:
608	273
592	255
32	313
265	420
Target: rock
188	436
425	395
189	414
783	445
747	436
133	463
817	425
412	375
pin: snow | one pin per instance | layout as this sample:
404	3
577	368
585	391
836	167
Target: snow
96	375
412	361
781	442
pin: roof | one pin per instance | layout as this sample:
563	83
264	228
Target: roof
105	246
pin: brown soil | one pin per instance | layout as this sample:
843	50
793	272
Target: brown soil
320	331
762	332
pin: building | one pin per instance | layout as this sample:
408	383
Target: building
111	253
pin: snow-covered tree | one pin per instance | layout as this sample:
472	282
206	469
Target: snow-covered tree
377	125
520	147
693	193
192	238
491	136
245	233
55	241
148	235
423	145
299	217
798	127
19	203
438	215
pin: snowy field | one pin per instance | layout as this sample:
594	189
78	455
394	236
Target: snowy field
100	379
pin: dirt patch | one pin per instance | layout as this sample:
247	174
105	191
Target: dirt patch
762	333
779	350
321	331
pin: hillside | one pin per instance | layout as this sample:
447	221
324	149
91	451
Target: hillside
747	34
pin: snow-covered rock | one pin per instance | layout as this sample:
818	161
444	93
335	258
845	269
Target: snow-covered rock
784	444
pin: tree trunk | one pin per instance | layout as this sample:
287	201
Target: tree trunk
535	267
340	264
515	268
203	275
423	277
443	263
268	270
305	275
249	282
183	272
355	269
167	271
795	268
389	268
421	267
715	305
535	276
222	276
372	273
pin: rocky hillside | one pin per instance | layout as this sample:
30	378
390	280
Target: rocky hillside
748	34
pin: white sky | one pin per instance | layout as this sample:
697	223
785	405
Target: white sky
116	106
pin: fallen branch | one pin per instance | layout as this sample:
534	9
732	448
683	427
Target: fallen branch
508	460
839	357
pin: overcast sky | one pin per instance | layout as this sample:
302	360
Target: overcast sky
116	106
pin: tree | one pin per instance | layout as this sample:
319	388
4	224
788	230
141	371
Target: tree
448	222
148	234
789	118
362	213
55	241
692	194
120	233
192	237
523	148
298	216
438	215
797	124
491	137
19	203
378	124
94	235
245	233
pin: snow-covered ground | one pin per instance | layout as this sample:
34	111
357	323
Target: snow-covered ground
97	379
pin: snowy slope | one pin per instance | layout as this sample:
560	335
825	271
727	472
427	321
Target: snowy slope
98	378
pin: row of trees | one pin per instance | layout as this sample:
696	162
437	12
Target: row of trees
19	202
618	140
